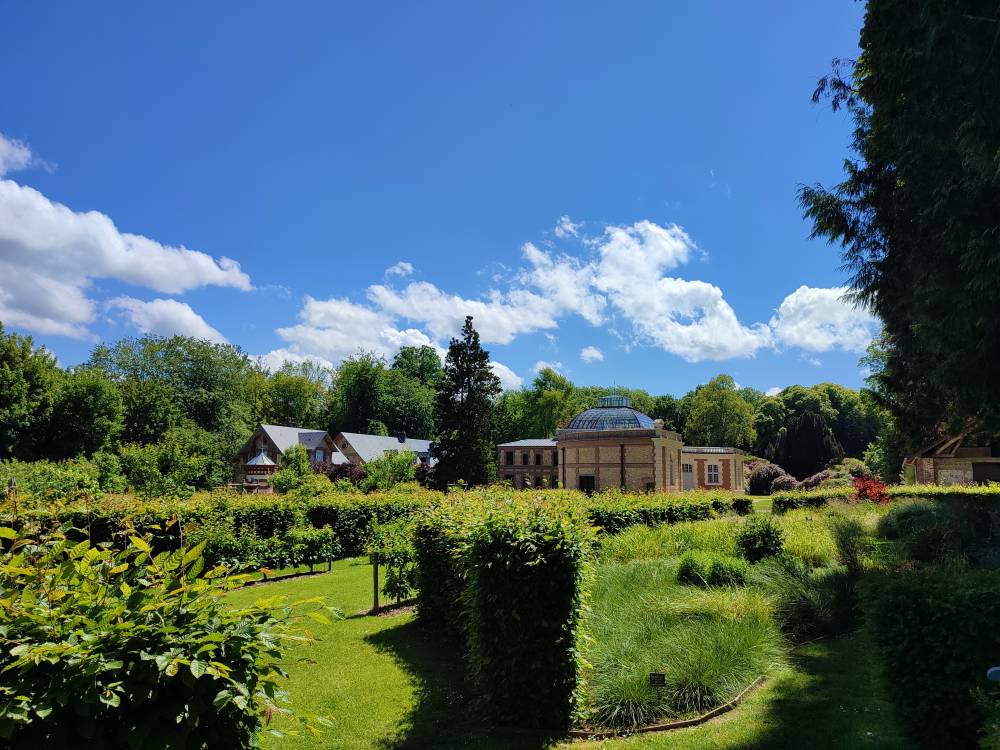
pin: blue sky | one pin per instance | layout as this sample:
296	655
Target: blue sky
606	186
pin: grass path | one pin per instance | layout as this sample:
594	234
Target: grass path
387	684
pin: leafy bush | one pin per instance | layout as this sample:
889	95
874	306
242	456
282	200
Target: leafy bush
392	543
127	649
784	483
759	537
870	490
728	571
385	472
811	483
936	630
694	568
335	472
47	480
294	470
762	478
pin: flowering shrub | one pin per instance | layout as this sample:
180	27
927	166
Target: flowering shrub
873	490
762	478
784	483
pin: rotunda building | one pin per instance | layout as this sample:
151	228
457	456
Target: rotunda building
614	445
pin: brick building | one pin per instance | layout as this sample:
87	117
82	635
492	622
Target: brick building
528	463
710	468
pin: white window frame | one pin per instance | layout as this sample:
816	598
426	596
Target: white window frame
708	474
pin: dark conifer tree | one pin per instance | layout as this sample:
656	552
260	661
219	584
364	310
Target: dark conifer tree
465	394
807	446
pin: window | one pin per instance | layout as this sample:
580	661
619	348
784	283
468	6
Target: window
713	474
524	459
555	458
538	459
686	468
508	458
320	456
554	481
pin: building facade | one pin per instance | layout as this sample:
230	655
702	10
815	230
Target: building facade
261	455
528	463
949	461
710	468
613	445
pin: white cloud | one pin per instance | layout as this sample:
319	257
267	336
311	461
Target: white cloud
566	228
14	155
335	329
49	255
543	365
498	318
402	268
773	391
565	282
274	360
819	320
591	354
508	378
165	317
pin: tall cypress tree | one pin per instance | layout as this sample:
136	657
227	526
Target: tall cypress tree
464	443
807	445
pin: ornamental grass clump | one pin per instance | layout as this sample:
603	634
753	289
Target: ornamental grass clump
105	648
759	537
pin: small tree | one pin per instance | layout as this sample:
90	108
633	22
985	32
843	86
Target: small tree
464	446
388	470
807	446
294	469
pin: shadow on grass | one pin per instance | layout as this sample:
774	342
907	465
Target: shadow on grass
832	699
444	715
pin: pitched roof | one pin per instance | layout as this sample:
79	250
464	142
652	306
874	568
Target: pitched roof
375	446
529	443
708	449
261	459
285	437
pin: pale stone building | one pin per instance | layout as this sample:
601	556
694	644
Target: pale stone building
711	468
613	445
949	461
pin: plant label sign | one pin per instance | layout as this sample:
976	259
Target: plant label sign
657	679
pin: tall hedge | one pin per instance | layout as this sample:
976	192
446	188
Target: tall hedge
938	631
524	604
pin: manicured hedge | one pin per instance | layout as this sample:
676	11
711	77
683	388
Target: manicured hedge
937	635
783	501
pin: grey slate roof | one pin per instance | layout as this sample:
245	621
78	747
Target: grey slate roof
285	437
708	449
375	446
529	443
611	413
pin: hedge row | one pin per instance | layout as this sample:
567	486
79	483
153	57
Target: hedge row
783	501
937	635
506	575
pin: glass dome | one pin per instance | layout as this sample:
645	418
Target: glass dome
611	413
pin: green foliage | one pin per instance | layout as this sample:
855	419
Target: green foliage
936	633
28	378
164	662
295	469
47	480
759	536
720	416
914	213
464	444
807	446
392	544
769	419
294	400
86	415
388	470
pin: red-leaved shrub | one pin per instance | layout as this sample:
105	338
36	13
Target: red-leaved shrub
873	490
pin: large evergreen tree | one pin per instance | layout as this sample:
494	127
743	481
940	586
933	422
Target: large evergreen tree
806	446
918	213
464	443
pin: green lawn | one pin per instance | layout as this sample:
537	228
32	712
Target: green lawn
387	684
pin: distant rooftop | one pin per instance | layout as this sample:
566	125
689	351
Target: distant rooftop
529	443
708	449
611	413
374	446
285	437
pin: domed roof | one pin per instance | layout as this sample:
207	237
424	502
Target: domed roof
611	413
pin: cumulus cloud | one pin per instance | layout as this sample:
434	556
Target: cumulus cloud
819	320
773	391
508	378
49	255
565	282
400	269
567	228
543	365
14	155
499	317
165	317
591	354
274	360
